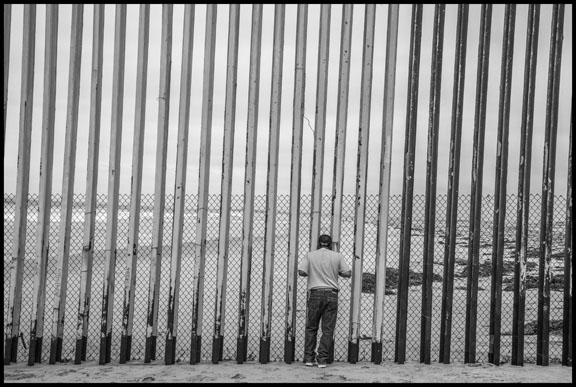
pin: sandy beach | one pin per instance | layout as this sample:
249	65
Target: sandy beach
280	372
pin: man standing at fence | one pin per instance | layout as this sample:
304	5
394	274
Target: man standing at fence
322	267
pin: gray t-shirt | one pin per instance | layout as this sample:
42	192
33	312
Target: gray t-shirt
322	267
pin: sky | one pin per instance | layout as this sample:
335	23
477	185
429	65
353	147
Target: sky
375	136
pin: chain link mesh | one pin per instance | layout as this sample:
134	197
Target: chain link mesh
234	258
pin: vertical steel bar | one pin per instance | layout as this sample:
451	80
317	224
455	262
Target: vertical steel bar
113	184
341	123
453	182
179	186
250	174
523	202
203	181
159	183
136	184
7	26
408	186
431	177
22	183
320	124
361	181
501	175
548	167
476	190
45	190
567	313
295	181
384	189
91	184
63	251
226	184
272	182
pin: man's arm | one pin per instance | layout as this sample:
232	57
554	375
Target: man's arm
302	273
345	270
346	274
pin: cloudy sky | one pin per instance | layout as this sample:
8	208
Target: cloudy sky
564	113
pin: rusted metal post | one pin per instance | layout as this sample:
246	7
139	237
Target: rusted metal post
113	185
136	187
226	185
548	178
91	184
295	181
453	183
567	315
501	175
431	177
7	26
159	183
63	251
523	206
361	180
341	123
12	328
45	190
384	189
408	186
272	182
320	124
179	186
250	174
203	180
476	190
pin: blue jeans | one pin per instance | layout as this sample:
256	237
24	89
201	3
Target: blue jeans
321	305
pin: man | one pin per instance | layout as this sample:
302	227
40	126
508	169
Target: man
322	267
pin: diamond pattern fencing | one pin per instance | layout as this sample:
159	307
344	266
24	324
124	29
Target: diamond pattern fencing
279	280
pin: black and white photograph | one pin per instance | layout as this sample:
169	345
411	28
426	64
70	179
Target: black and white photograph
287	193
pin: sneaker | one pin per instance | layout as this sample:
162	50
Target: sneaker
309	364
321	365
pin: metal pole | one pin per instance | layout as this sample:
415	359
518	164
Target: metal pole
12	328
295	181
548	166
226	185
408	186
136	184
63	251
179	186
203	181
523	206
341	122
160	183
384	189
91	184
320	124
500	184
567	315
45	190
7	26
361	179
476	190
113	185
431	177
272	182
250	174
453	182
